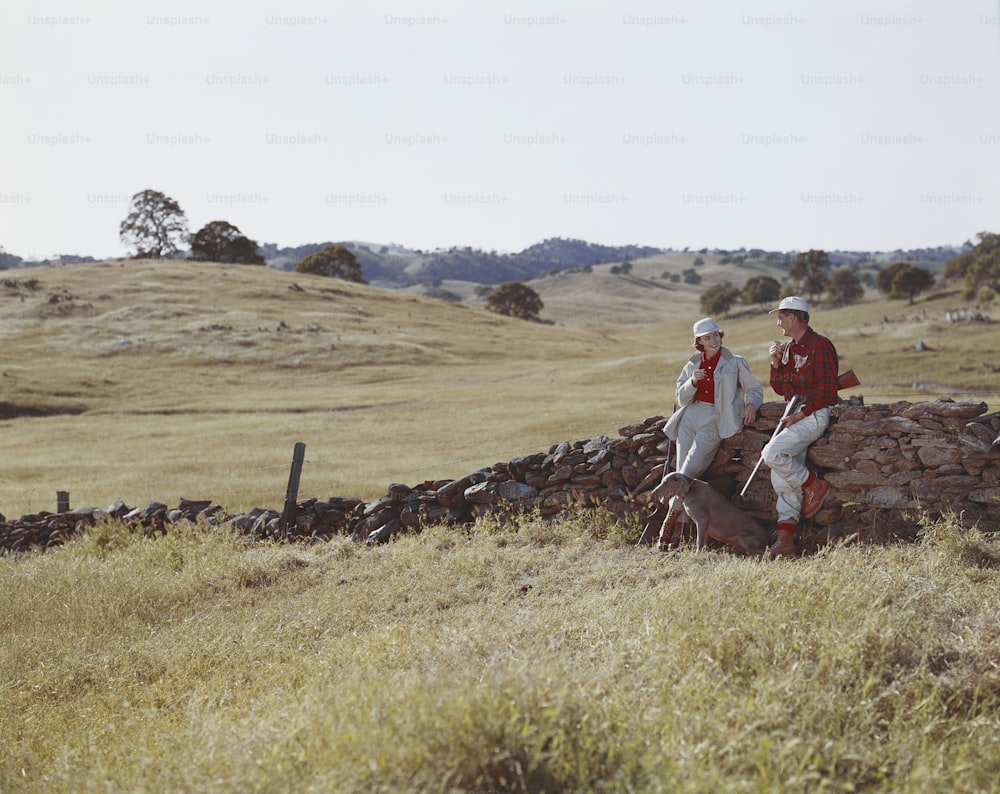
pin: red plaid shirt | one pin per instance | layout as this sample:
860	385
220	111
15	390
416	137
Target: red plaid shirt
808	368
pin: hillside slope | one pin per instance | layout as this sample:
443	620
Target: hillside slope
146	381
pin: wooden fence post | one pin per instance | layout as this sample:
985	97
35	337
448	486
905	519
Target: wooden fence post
62	501
292	492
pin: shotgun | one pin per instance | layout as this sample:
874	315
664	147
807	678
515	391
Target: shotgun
790	407
845	380
655	519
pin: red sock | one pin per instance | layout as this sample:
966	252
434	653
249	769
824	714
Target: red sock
787	526
810	480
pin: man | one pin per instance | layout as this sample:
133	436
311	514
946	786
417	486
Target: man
805	367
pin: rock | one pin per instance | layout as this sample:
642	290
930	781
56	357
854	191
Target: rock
883	462
938	454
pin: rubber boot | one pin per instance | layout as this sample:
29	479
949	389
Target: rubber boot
785	545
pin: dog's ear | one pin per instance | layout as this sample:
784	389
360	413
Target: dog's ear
679	484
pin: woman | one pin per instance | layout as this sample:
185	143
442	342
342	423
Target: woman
717	395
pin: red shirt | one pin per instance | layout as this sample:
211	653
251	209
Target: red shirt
808	368
706	386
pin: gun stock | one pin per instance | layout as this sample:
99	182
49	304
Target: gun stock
847	380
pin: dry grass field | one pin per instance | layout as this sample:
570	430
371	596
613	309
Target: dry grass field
523	656
145	380
528	656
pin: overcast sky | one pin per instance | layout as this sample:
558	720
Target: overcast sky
783	125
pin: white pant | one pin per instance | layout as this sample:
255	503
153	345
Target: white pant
697	439
785	455
697	442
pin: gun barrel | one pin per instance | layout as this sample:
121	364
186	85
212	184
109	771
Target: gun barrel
789	409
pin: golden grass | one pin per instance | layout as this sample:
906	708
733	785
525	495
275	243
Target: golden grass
523	656
177	379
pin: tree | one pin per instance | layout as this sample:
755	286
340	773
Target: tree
691	276
514	299
911	282
760	289
155	227
845	287
220	241
958	266
718	300
980	267
334	261
903	280
884	277
809	271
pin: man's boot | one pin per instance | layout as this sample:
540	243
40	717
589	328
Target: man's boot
814	491
667	540
785	545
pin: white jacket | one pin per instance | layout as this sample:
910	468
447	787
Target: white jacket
735	386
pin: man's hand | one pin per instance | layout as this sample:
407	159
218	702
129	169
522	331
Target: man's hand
750	414
776	352
791	419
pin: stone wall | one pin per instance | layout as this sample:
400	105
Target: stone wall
888	465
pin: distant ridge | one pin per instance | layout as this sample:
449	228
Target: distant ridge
395	266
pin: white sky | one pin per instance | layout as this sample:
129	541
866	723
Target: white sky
782	125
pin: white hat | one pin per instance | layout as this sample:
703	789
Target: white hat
706	326
794	303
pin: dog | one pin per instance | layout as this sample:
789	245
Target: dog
714	516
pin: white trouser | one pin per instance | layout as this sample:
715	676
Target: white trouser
697	439
697	442
785	455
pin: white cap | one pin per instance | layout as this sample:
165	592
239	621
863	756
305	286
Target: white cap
706	326
794	303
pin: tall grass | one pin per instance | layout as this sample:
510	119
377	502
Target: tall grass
525	655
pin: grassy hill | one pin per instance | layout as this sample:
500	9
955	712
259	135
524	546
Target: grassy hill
517	655
149	380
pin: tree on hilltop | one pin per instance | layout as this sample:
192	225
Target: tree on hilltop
514	299
903	280
911	282
691	276
844	287
220	241
155	227
334	261
884	277
718	300
979	267
809	272
760	290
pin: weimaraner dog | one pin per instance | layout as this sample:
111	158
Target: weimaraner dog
714	516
